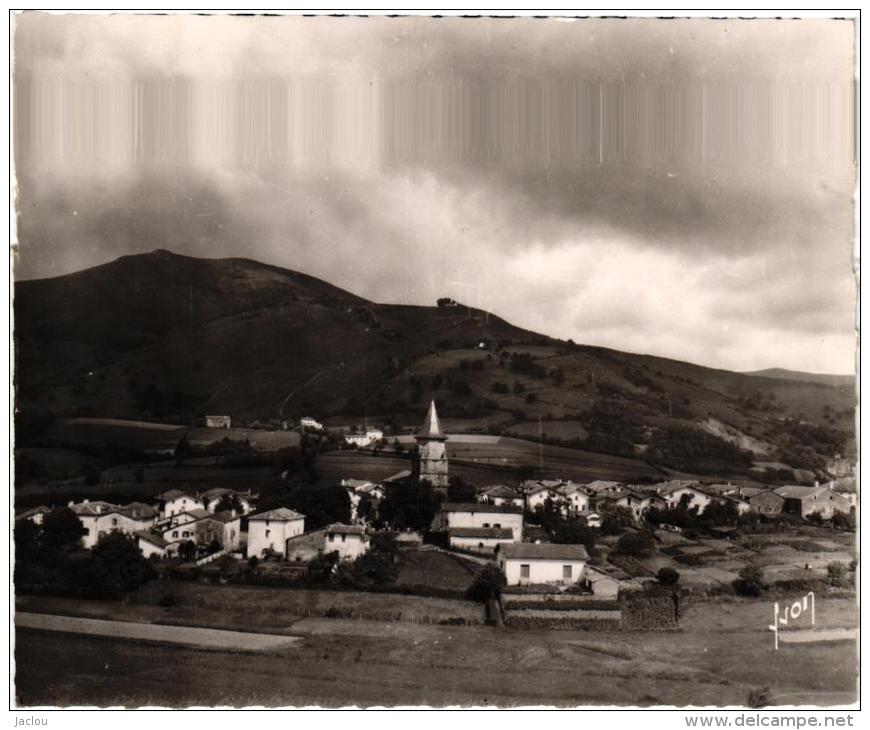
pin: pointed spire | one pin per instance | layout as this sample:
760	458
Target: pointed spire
431	428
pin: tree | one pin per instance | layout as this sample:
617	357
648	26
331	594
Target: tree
410	504
487	584
749	581
365	508
667	576
27	541
637	544
321	505
121	558
187	550
61	530
229	502
615	518
575	533
459	490
838	574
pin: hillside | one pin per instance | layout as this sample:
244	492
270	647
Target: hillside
166	337
823	378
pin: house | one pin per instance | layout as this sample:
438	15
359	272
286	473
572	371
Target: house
218	422
470	514
99	518
603	485
175	501
681	493
575	497
478	539
500	494
639	503
845	487
604	580
269	531
805	501
306	422
357	489
533	563
180	527
35	515
767	502
152	545
242	500
537	492
223	528
349	541
366	438
739	503
409	539
592	519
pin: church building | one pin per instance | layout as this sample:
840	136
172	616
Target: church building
431	463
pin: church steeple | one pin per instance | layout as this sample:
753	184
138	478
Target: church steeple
431	463
431	428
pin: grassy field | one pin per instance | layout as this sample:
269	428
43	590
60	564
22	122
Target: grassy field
721	654
431	568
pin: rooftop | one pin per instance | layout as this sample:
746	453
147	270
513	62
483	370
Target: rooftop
498	533
281	514
339	528
543	551
431	428
475	507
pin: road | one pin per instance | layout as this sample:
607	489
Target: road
178	635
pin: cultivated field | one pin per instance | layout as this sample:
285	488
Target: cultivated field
722	653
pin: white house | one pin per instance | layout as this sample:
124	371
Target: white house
218	421
685	493
537	493
212	499
479	539
369	437
99	518
592	518
271	530
180	527
349	541
537	563
35	515
152	544
309	422
500	494
575	497
175	501
470	514
221	527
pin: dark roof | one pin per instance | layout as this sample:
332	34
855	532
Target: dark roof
42	509
543	551
171	494
138	510
501	490
475	507
341	529
501	533
431	428
282	514
152	538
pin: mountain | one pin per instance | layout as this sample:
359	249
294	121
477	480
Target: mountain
823	378
170	338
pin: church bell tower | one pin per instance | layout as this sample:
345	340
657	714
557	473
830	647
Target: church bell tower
432	460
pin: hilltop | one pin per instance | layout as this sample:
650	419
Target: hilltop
167	337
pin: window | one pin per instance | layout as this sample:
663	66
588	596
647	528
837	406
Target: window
114	522
497	524
343	538
486	524
267	531
175	533
87	531
566	572
524	571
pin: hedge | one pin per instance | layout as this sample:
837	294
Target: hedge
548	605
650	611
561	622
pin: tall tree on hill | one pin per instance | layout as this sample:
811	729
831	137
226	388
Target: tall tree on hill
411	504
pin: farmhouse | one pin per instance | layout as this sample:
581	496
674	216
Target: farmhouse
175	501
100	518
365	438
478	539
469	514
242	500
805	501
308	422
349	541
689	494
575	497
218	422
531	563
538	492
35	515
269	531
767	502
222	528
500	494
152	545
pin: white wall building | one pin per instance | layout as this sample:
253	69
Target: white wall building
176	501
533	563
470	514
367	438
349	541
271	530
308	422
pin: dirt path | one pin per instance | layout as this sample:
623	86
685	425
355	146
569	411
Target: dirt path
184	635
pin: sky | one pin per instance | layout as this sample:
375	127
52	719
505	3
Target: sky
682	188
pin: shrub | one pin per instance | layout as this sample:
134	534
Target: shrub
838	575
667	576
487	584
638	544
750	581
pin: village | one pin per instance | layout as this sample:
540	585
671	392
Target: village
591	546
